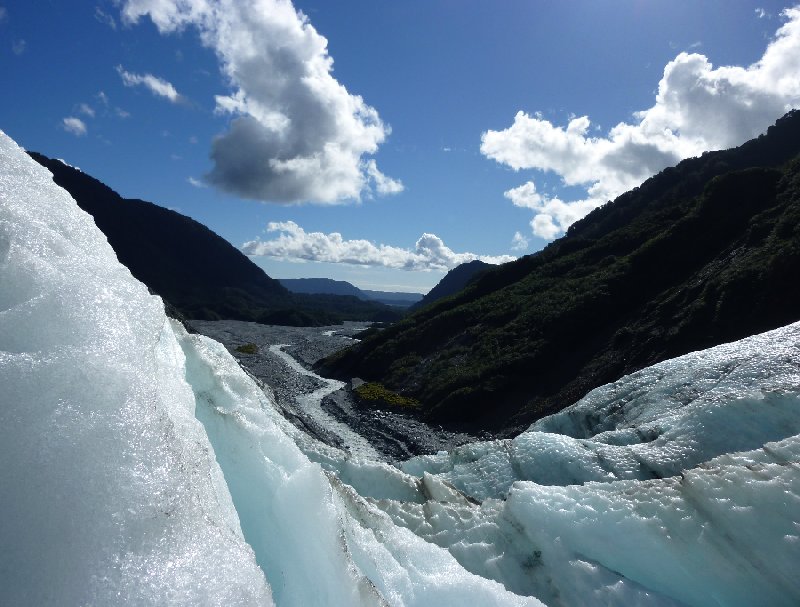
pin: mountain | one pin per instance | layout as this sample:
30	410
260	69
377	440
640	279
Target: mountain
321	285
341	287
702	253
399	299
196	271
453	282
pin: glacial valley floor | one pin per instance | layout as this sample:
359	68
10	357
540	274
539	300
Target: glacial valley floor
396	436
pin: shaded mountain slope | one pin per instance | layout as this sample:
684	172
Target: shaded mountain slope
453	282
198	272
702	253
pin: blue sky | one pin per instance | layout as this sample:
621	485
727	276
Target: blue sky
445	129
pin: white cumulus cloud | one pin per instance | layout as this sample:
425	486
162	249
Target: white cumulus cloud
697	108
74	125
519	242
296	134
293	243
158	86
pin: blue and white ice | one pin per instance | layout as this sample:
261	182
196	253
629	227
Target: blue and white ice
141	465
651	424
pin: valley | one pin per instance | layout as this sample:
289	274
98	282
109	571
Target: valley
282	362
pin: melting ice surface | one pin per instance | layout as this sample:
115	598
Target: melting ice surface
141	465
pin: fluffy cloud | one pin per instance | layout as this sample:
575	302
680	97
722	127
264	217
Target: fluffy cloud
295	244
158	86
74	125
383	184
519	242
296	133
697	108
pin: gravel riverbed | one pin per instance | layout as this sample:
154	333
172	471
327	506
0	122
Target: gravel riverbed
394	436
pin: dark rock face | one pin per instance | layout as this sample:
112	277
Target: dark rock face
703	253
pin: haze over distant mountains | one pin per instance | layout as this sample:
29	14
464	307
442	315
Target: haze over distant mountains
702	253
342	287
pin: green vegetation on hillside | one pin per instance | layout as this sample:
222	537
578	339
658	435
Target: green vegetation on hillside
378	394
247	349
703	253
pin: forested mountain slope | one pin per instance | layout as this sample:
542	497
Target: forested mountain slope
453	282
702	253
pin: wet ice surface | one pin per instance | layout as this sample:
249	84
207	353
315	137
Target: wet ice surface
143	466
395	436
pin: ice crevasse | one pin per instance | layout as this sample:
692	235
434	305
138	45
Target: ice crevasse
141	465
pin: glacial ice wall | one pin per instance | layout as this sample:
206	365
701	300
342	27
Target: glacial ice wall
141	465
110	491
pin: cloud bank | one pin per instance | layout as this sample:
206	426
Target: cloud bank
697	108
295	244
296	134
158	86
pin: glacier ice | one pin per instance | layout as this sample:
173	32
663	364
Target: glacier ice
110	491
142	465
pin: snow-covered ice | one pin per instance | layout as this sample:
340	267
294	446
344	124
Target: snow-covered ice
141	465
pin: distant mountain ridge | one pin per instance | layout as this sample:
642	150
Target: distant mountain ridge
193	269
321	285
701	254
342	287
393	298
453	282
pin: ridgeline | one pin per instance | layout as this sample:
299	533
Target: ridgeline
198	273
702	253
